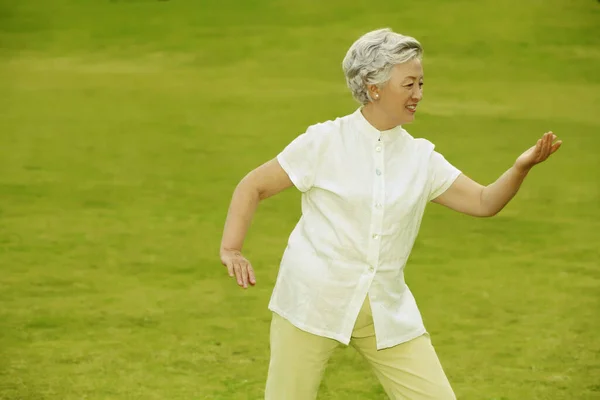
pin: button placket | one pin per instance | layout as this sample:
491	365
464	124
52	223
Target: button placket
378	201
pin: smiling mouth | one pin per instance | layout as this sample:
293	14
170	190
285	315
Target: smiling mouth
411	108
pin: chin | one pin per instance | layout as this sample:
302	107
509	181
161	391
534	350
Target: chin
406	120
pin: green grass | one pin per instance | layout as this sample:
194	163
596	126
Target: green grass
125	126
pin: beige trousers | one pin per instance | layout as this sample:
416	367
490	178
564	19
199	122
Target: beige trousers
409	370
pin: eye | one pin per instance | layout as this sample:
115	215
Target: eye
421	84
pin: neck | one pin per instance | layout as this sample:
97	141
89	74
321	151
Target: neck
377	118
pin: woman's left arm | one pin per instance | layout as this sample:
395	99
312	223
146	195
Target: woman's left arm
469	197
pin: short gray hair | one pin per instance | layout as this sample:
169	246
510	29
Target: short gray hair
370	60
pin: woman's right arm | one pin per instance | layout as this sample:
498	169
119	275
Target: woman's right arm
263	182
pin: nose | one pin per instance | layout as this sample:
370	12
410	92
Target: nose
417	94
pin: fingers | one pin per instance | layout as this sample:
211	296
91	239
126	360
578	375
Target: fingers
555	146
237	268
547	145
538	149
244	277
251	277
244	274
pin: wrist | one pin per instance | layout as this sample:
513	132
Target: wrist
522	169
225	249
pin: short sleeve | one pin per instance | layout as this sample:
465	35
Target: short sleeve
442	175
300	158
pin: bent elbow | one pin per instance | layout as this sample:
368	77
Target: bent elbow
249	188
489	213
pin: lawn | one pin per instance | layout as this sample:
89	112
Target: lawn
125	126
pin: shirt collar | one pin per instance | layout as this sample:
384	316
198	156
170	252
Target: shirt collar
365	126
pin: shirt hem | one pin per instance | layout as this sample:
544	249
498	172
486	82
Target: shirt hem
346	341
401	339
306	328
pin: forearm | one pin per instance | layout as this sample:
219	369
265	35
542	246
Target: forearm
496	196
239	217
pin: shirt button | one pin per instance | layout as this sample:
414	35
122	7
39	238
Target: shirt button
371	269
378	149
375	236
378	171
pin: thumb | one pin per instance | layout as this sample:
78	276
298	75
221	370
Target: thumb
229	266
555	146
227	262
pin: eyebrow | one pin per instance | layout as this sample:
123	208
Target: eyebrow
413	77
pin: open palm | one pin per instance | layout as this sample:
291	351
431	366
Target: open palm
538	153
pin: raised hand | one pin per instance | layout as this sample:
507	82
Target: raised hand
239	266
544	147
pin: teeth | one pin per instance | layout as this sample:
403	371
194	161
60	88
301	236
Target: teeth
411	107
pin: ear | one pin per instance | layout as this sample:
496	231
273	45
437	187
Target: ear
373	91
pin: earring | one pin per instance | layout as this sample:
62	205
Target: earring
376	96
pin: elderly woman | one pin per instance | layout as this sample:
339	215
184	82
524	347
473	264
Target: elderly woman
365	182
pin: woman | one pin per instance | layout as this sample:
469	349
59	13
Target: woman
365	183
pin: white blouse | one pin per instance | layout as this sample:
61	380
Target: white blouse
363	197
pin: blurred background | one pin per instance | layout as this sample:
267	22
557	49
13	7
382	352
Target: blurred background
126	125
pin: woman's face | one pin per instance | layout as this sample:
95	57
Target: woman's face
399	96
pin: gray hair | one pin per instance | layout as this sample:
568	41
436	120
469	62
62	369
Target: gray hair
370	60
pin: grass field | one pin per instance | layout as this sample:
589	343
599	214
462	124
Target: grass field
125	126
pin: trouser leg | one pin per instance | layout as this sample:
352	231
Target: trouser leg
298	361
410	370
